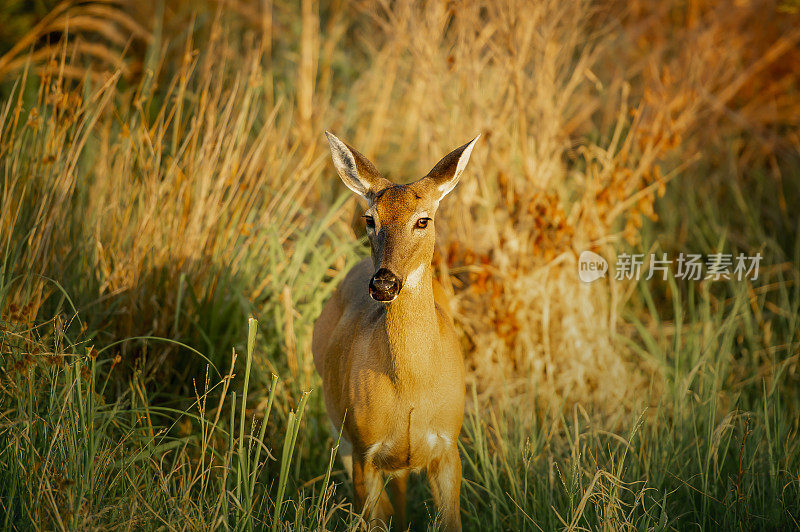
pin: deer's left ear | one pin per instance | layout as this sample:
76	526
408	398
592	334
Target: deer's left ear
445	175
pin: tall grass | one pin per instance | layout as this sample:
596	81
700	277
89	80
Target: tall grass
165	179
73	461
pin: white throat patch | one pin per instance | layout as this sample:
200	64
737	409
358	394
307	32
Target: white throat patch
415	277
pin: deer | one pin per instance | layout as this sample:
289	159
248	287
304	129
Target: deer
386	348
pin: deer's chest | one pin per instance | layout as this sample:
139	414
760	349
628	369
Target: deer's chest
402	430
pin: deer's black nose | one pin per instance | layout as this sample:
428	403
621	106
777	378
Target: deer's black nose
384	285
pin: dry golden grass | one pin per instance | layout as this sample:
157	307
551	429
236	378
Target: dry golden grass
164	174
587	111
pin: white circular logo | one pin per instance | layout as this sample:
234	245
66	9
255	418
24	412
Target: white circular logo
591	266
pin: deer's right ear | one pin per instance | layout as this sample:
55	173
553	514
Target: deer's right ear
356	171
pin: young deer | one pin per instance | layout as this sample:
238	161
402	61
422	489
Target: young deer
386	349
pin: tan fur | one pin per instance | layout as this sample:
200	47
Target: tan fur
394	371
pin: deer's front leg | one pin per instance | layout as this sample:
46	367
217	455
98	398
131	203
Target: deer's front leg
397	488
371	499
444	475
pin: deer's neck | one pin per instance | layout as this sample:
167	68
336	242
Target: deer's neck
412	326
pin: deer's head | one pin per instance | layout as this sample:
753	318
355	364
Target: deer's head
399	218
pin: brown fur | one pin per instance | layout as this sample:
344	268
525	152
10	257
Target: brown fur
394	371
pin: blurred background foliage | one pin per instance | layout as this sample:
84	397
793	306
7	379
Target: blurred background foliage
19	17
165	177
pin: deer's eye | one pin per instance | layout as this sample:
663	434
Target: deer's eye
370	222
422	223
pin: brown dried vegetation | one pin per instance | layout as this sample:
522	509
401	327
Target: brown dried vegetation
587	111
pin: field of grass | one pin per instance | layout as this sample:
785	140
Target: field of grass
171	224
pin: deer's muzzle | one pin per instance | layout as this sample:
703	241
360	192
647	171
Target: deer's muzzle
384	285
